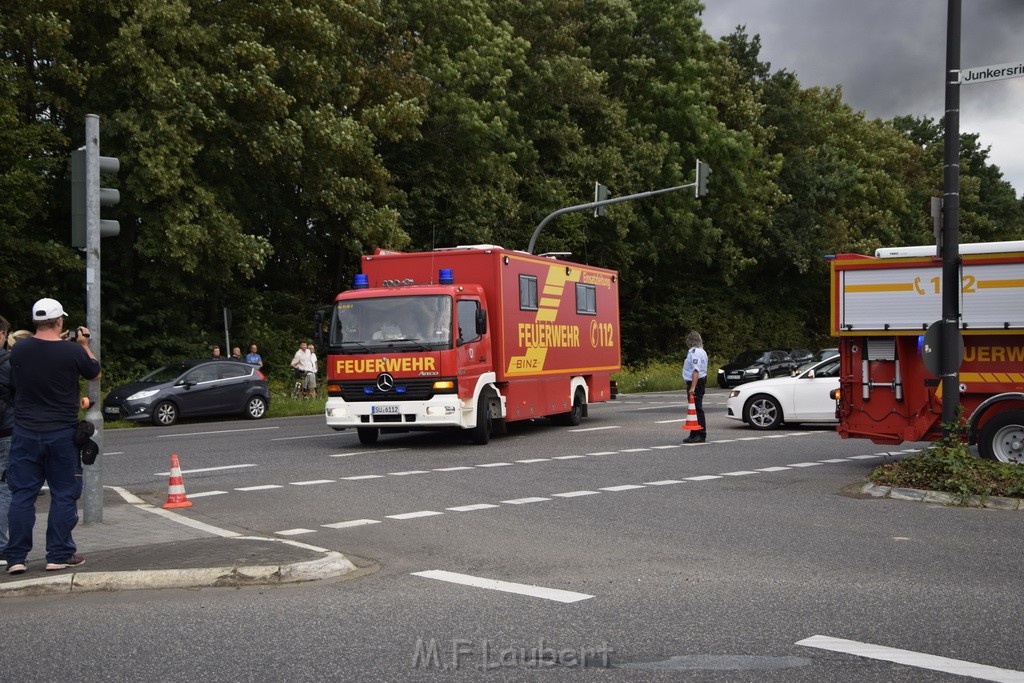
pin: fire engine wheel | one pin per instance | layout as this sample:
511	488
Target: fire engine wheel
763	412
367	435
574	416
1002	437
165	414
481	433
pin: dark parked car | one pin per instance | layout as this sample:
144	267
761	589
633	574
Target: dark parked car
195	388
821	355
751	365
800	355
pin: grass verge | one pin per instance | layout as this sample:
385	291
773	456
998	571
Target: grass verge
948	465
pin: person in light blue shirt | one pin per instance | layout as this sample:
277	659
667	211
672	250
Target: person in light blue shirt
254	358
695	372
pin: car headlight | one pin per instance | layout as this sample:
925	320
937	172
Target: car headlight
139	395
721	371
751	371
734	393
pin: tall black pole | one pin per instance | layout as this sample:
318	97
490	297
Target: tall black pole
950	359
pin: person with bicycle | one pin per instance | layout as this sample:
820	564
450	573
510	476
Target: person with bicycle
304	365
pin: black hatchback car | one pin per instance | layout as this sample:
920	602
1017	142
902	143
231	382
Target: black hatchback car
196	388
752	365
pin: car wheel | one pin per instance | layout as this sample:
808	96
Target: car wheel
165	414
368	435
763	412
763	374
1002	437
256	408
722	384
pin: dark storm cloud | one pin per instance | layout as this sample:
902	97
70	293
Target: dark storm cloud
889	56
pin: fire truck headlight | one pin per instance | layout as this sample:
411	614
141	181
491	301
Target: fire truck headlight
435	411
337	412
446	386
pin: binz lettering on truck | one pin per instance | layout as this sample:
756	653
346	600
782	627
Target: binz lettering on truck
359	366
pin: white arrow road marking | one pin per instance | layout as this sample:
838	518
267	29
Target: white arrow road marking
492	584
911	658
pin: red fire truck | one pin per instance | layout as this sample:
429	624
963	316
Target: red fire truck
882	307
471	338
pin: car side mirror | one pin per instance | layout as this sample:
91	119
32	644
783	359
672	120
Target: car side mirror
810	374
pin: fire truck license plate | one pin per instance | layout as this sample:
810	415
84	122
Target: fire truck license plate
384	410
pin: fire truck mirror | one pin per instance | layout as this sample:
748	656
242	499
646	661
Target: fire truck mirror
481	322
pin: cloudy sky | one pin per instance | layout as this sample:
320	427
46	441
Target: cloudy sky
889	56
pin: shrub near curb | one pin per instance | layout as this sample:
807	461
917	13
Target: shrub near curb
949	466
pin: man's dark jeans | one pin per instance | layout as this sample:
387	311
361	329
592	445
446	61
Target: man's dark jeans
36	457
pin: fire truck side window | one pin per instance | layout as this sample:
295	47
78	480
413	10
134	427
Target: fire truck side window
586	299
528	299
467	321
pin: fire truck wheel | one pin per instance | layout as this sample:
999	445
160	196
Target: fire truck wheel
1002	437
574	416
368	435
763	412
481	433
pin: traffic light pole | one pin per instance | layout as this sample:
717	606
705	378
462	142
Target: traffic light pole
703	171
950	246
92	476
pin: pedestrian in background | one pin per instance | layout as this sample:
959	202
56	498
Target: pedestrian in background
6	427
695	372
254	358
215	353
45	371
304	364
236	353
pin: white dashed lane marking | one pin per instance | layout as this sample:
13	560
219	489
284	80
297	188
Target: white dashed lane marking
555	594
571	494
472	508
351	523
921	660
414	515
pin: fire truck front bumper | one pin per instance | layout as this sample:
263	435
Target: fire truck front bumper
437	412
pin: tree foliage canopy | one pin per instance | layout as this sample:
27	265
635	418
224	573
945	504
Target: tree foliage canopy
266	144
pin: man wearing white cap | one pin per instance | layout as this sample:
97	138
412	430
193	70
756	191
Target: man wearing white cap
45	370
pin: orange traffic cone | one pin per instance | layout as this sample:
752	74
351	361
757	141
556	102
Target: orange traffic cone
691	418
176	497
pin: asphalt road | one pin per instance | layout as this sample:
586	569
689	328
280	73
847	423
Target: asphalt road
657	561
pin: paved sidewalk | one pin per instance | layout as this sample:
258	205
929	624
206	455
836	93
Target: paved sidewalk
139	545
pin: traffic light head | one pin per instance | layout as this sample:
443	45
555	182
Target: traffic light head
703	173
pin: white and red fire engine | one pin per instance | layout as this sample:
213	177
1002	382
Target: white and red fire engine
471	338
881	309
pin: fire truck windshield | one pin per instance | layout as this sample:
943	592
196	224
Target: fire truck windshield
392	323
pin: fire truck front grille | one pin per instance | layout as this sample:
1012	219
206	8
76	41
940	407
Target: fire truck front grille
405	389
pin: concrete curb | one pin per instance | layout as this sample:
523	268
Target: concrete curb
941	497
334	564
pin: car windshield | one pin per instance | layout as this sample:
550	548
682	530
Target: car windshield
828	368
407	323
167	373
749	357
825	353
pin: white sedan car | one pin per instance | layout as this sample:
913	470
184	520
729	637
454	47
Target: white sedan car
768	403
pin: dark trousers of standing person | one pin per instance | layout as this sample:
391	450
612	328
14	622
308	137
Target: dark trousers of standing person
698	402
35	458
